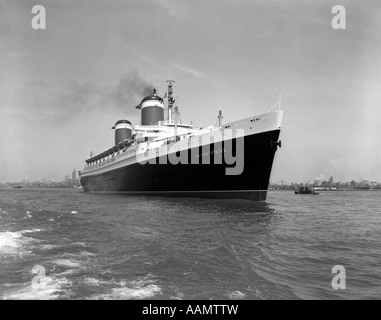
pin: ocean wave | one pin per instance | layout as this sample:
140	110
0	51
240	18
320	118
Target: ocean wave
127	293
32	230
50	288
67	263
235	295
132	290
9	241
92	281
178	297
79	244
50	246
15	243
67	267
87	254
81	254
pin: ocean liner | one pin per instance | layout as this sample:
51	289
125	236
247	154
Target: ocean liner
165	157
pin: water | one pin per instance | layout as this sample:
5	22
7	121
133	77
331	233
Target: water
87	246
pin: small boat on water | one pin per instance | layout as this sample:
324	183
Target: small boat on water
305	190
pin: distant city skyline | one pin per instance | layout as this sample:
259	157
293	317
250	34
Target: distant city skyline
329	181
64	87
73	176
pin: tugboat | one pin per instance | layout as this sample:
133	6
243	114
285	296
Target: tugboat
305	190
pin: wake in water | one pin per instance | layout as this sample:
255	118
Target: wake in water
64	244
59	278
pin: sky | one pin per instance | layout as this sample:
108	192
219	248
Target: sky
64	87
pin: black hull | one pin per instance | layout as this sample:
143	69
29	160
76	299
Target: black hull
195	180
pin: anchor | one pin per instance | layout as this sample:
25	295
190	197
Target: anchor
274	144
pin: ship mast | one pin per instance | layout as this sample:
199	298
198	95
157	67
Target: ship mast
219	118
176	116
171	101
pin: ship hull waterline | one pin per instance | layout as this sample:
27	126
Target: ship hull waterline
195	180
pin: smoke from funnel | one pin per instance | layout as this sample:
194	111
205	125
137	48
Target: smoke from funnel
130	90
62	103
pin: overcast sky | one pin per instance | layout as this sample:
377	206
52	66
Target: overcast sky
63	88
